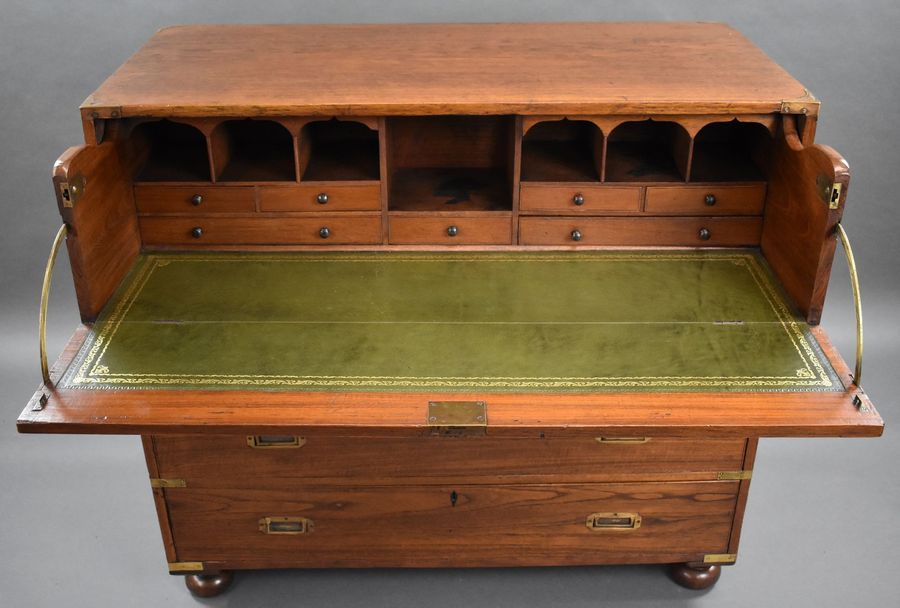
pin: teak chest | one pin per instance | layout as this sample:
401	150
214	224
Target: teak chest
450	295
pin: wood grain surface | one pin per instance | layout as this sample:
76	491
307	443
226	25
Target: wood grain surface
393	69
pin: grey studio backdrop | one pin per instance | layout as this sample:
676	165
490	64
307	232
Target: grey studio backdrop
78	525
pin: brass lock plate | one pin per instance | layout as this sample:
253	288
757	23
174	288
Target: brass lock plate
457	417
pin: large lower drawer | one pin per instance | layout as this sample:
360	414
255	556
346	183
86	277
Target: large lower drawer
643	231
453	525
229	461
318	230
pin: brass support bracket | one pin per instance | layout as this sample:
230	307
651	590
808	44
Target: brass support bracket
45	297
156	482
857	304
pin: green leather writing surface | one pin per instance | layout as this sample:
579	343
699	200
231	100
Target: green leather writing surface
452	321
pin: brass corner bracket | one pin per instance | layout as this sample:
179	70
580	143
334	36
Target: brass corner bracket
156	482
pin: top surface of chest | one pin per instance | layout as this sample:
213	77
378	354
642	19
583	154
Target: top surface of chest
447	69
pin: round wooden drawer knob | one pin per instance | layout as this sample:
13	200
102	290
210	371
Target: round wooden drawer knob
576	235
578	199
704	234
324	232
322	198
196	200
197	232
452	231
710	200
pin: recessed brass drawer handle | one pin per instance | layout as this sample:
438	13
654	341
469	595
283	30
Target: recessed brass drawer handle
275	441
285	525
613	521
626	440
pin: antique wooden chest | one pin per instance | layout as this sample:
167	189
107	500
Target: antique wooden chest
450	295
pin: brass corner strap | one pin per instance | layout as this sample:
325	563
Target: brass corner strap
156	482
857	302
186	566
45	296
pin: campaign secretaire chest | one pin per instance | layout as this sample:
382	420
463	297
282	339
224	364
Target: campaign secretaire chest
450	295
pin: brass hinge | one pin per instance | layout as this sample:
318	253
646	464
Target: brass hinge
72	190
156	482
720	558
457	417
802	105
733	475
185	566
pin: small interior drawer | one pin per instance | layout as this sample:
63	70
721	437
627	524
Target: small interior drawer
151	198
319	230
706	200
450	229
321	197
581	199
281	462
537	524
640	231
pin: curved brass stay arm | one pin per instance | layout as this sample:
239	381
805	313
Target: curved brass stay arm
857	302
45	295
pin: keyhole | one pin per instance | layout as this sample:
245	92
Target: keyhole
453	497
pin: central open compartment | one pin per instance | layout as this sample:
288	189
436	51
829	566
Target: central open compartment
450	163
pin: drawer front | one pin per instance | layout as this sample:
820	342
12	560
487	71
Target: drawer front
651	231
190	199
706	200
229	461
321	197
454	525
578	199
451	230
337	230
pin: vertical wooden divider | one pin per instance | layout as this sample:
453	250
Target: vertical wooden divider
516	171
384	173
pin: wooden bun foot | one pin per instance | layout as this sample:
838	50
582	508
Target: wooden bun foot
209	585
701	576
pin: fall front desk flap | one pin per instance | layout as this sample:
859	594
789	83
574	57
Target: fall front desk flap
465	321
